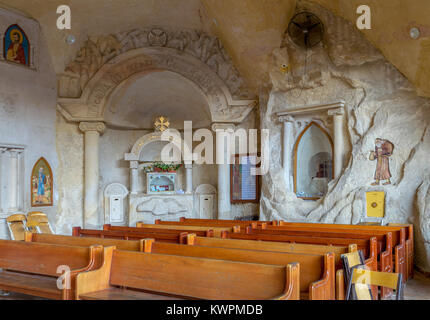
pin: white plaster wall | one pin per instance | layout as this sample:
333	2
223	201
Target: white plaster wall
380	103
27	117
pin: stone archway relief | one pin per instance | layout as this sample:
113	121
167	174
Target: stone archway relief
92	103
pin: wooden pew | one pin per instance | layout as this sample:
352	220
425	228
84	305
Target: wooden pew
384	241
409	246
193	239
124	274
31	268
144	229
398	238
403	247
127	245
218	231
224	223
368	246
177	237
317	279
371	262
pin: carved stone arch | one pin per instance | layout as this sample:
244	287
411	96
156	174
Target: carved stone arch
147	139
91	104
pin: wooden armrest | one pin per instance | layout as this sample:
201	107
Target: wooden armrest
95	280
292	287
324	289
340	285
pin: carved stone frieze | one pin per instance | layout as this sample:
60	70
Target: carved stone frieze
97	51
92	102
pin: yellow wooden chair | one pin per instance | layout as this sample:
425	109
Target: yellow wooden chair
37	222
17	226
362	279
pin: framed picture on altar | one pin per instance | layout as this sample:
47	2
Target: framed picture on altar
41	184
244	185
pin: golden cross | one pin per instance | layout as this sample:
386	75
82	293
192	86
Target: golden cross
162	124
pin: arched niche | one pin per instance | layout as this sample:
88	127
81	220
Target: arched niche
135	103
313	162
94	99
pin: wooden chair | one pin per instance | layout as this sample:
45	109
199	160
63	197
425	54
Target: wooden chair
38	222
17	226
361	280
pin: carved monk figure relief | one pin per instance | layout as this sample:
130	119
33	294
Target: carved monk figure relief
383	150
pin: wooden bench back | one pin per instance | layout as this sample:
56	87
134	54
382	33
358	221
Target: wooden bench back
312	265
398	234
227	223
177	226
271	246
127	245
176	237
44	259
197	278
153	228
384	243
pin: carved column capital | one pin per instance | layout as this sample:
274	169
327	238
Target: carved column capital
100	127
286	118
134	165
14	153
223	126
336	112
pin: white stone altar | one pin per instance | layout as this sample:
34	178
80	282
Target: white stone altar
146	206
168	207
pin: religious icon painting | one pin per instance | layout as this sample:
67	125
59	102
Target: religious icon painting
41	184
383	151
16	46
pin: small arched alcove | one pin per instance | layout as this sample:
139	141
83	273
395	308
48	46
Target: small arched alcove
313	162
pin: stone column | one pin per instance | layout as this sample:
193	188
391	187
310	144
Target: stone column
13	179
338	119
189	174
222	155
1	47
134	177
287	143
92	131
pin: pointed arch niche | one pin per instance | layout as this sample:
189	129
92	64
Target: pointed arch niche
312	155
313	162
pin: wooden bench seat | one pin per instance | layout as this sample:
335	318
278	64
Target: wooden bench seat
185	277
124	294
317	277
31	268
175	237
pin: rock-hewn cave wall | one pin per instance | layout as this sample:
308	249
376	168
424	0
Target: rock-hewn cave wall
380	103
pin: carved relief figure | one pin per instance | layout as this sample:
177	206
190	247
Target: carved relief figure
17	47
383	150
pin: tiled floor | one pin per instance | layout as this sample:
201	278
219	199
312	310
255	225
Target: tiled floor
416	289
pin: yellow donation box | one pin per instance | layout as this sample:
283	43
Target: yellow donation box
375	204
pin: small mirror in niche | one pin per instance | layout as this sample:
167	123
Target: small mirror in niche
313	161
